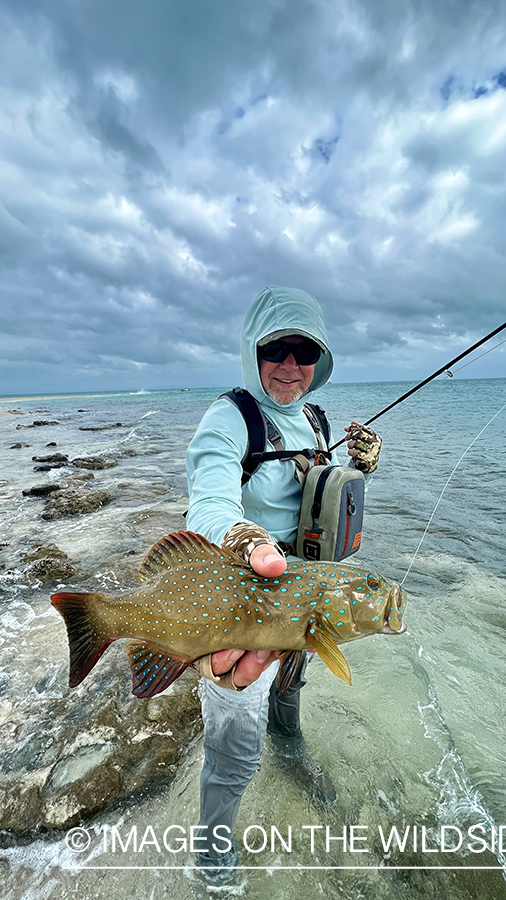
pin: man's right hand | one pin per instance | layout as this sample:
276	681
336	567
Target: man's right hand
267	561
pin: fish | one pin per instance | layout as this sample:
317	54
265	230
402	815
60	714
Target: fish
198	598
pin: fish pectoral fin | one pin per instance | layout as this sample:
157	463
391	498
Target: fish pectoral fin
289	662
330	653
153	670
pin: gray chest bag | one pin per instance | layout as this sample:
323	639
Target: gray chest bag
332	505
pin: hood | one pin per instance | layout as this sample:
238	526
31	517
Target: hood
277	312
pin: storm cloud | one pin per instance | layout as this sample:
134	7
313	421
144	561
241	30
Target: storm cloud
162	162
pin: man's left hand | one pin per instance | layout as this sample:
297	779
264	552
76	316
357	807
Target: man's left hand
250	664
364	447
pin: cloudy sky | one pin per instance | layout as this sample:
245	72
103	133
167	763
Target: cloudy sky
161	162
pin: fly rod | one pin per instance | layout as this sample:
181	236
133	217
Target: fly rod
444	368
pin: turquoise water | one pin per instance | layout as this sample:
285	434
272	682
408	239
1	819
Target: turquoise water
418	739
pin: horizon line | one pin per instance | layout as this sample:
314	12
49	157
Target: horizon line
115	392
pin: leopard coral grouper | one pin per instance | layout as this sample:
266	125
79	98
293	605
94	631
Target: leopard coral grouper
198	598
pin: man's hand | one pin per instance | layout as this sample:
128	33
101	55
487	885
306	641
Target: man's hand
250	666
266	561
364	447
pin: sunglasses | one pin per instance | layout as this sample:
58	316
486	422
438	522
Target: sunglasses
306	354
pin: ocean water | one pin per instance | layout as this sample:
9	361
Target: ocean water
417	743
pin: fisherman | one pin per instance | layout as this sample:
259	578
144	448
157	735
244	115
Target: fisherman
285	357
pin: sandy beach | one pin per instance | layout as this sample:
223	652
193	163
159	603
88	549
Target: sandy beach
8	412
55	397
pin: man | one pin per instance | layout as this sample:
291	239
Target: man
285	357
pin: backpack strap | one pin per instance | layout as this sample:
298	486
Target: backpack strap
256	424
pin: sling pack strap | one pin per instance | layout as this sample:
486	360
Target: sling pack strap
318	421
261	430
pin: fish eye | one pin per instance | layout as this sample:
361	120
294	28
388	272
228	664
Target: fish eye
373	583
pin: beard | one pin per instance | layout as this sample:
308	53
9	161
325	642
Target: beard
286	398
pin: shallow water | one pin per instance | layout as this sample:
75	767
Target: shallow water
419	738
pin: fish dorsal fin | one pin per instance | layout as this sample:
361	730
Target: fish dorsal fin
330	653
180	549
153	670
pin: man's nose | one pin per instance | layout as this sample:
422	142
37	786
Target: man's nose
290	362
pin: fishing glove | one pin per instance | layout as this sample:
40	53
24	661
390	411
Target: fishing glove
367	447
243	537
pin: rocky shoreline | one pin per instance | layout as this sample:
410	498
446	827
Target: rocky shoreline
68	754
96	745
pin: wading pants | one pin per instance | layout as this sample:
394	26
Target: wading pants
235	724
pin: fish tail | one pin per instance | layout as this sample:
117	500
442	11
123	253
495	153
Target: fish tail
87	640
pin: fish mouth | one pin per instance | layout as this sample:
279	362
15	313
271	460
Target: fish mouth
393	622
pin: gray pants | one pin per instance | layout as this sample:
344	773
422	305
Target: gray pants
235	724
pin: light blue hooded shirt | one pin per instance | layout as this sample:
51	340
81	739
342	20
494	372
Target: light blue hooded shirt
271	498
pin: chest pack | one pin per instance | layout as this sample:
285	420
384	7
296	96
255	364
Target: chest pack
332	505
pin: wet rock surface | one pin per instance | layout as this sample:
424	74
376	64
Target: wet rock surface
71	502
50	568
68	497
74	479
46	467
41	490
38	423
94	462
93	746
102	427
42	563
51	458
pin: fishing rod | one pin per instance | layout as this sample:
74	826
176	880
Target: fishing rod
444	368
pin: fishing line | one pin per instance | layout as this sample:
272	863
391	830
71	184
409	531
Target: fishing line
479	357
444	489
445	368
415	399
447	375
